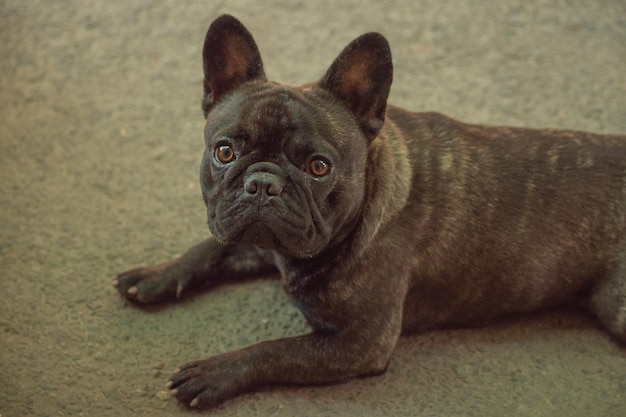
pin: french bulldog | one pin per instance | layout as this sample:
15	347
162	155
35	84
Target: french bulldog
382	221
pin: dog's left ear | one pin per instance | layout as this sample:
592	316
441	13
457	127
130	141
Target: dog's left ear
230	58
361	78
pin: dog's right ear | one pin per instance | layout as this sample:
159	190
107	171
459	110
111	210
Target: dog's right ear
230	58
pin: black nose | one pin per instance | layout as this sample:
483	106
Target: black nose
265	183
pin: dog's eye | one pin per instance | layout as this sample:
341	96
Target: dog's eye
224	154
318	167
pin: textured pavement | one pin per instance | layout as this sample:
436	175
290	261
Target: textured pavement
100	142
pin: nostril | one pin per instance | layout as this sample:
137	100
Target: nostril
251	187
274	189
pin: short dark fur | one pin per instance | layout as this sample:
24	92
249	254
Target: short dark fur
382	221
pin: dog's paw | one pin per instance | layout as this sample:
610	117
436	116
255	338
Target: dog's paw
152	284
207	383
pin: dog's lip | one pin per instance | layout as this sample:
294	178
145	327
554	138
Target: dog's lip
279	225
259	233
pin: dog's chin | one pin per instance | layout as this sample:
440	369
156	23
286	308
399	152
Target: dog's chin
259	234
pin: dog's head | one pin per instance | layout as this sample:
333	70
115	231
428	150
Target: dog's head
284	168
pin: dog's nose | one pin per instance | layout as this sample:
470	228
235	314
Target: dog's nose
265	183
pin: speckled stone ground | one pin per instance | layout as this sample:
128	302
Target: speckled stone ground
100	139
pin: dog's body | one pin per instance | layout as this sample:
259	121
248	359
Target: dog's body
420	223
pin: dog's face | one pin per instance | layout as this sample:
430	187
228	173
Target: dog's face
280	172
285	168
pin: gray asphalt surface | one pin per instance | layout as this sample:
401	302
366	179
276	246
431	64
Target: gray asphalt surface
100	142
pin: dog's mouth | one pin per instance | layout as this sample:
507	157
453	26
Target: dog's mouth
282	234
268	229
287	224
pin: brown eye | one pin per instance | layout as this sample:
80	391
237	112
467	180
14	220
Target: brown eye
224	154
318	167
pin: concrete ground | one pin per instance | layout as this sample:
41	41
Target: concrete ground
100	140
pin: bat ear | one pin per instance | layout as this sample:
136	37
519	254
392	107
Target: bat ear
230	58
361	77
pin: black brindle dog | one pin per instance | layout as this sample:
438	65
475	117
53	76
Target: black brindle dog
382	221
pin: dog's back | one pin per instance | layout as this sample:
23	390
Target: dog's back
511	220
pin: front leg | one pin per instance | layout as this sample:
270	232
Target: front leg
207	262
356	322
312	359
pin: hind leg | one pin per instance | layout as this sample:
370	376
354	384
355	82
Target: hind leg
608	298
